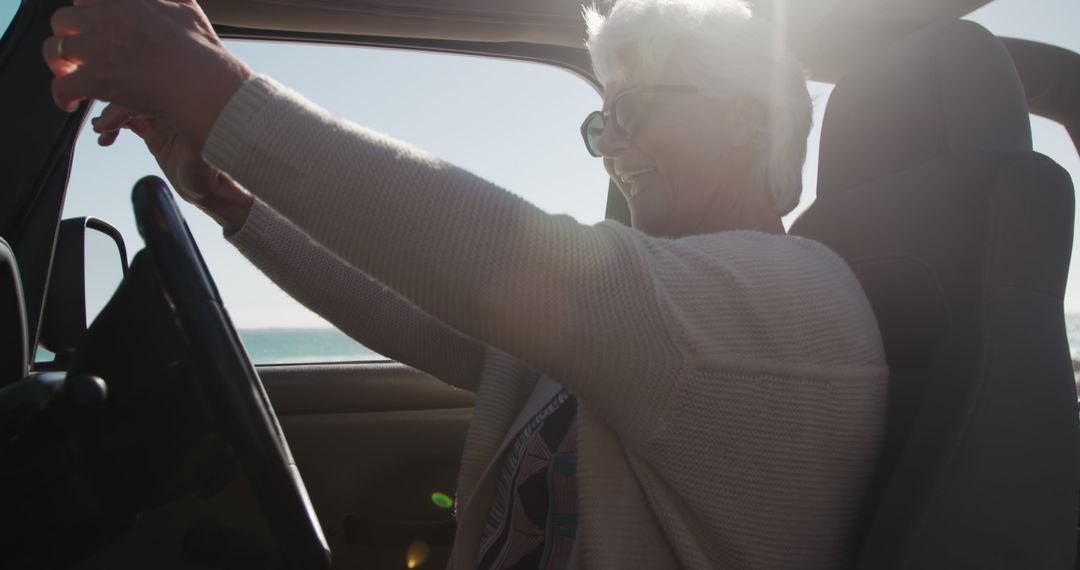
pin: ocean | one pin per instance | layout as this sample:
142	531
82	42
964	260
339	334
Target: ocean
295	346
311	345
1072	329
290	346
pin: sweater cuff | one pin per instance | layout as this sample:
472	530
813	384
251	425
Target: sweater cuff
226	140
259	222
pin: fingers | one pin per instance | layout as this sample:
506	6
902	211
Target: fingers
137	125
66	21
70	89
112	118
74	81
78	19
106	139
140	126
59	55
65	53
68	49
153	56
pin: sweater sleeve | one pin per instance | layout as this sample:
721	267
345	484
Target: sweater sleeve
355	303
574	302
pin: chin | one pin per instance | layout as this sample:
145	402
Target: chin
651	214
650	223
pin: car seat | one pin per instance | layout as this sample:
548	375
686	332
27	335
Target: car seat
960	235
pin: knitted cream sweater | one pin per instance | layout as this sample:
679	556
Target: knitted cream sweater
732	385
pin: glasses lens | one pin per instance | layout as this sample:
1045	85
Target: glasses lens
591	130
626	112
631	110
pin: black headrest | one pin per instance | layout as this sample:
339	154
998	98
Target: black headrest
947	88
1051	77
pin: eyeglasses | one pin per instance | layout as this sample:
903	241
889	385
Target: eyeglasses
630	109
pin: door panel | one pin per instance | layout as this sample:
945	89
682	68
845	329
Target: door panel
306	389
373	441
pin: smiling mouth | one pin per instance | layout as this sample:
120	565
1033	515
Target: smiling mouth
631	175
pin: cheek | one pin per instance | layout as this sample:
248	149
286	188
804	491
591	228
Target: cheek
691	156
676	142
676	158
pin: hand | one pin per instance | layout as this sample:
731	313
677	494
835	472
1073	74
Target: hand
159	58
209	189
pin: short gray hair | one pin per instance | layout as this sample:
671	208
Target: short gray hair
728	52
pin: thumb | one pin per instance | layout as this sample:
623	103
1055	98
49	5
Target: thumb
139	126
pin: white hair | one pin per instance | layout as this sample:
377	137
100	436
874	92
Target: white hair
726	52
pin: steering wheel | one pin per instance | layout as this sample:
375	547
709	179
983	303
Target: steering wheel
232	387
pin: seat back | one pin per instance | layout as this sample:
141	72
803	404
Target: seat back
960	235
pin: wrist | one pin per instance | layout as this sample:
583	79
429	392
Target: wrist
234	217
194	114
230	205
234	209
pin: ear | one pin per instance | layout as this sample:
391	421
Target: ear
747	118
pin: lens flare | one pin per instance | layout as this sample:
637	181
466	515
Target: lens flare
417	554
442	500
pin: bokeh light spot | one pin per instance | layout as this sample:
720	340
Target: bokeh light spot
442	500
417	554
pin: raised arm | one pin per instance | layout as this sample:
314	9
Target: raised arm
358	305
362	308
575	302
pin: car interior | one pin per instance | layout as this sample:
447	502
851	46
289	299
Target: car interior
153	441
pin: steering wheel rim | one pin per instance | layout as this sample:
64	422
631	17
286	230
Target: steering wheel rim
228	379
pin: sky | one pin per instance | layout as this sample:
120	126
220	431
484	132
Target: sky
7	12
514	123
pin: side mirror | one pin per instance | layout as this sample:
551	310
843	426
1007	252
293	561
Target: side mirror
63	323
13	344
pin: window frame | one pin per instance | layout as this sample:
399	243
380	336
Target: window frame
441	48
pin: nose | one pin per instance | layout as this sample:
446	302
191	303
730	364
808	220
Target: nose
613	141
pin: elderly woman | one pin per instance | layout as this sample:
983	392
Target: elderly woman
699	390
